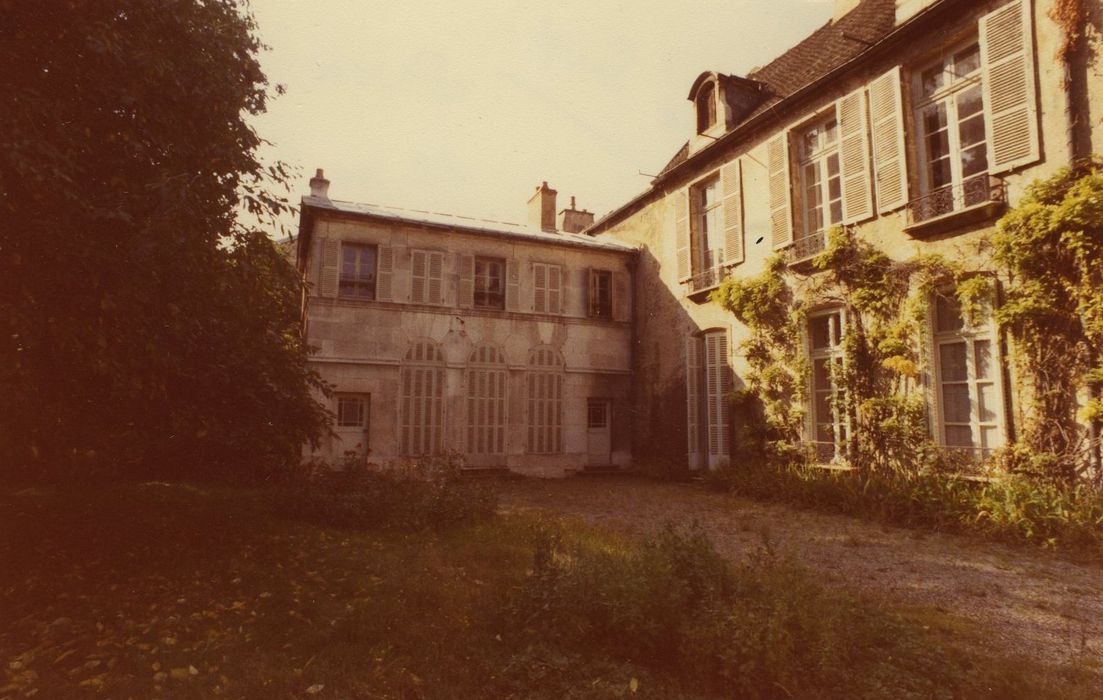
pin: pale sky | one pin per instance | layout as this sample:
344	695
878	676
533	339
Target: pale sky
464	107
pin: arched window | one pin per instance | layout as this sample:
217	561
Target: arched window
422	401
706	107
545	401
486	401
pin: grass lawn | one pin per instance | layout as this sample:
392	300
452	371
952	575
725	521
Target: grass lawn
177	591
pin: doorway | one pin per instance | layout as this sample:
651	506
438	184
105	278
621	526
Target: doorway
599	435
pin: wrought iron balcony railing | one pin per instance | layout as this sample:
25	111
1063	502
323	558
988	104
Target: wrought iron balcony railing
707	279
807	247
977	190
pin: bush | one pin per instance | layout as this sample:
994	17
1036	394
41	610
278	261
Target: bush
411	495
765	629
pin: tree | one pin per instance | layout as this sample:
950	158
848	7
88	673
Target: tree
146	327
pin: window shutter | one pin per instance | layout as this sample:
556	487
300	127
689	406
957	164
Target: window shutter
693	370
781	215
724	385
806	353
1011	109
436	278
513	286
589	299
681	233
622	297
330	267
928	374
887	114
539	287
712	389
854	157
418	276
731	183
384	284
465	289
555	289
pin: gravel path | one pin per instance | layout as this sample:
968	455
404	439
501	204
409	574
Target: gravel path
1023	601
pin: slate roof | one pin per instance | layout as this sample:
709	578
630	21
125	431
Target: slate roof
466	224
826	49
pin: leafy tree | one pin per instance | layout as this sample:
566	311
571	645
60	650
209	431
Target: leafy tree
146	327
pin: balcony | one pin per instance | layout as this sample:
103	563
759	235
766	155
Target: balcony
707	279
803	249
981	197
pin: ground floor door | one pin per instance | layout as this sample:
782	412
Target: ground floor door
353	422
599	436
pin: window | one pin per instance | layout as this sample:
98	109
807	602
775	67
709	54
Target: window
357	271
601	294
351	432
426	277
545	401
706	107
350	412
828	419
708	385
969	393
490	290
821	192
422	399
953	142
486	401
597	414
547	288
708	222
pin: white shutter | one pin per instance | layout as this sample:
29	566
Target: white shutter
724	385
418	276
731	184
854	157
384	285
330	267
622	296
693	369
809	398
513	286
555	289
887	114
928	370
1011	109
539	287
781	215
681	233
713	362
436	278
465	288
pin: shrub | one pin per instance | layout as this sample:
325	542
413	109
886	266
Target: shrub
410	495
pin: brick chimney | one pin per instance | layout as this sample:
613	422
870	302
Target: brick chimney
574	221
842	7
319	185
542	208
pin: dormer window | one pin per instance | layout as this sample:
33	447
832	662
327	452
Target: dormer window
706	107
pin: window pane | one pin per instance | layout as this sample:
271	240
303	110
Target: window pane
821	375
956	403
967	61
951	360
948	314
990	437
821	335
959	436
830	132
987	403
982	352
836	211
969	103
823	406
933	79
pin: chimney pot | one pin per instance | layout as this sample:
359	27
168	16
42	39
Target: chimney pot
542	208
319	185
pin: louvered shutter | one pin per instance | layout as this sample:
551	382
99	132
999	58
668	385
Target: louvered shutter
681	234
713	361
929	371
555	289
436	278
384	278
418	276
724	387
781	215
1011	109
622	297
731	184
330	267
539	287
809	396
513	286
889	164
854	157
465	288
693	397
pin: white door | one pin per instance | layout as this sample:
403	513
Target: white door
352	425
599	436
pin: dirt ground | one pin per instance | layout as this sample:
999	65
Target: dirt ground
1017	600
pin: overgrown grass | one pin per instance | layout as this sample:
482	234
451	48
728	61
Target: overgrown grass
161	590
1010	508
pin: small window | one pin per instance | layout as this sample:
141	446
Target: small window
357	271
706	107
597	414
601	294
490	290
350	412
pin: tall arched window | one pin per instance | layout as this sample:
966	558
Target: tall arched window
422	402
706	107
545	401
486	401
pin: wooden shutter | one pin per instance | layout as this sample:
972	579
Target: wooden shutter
781	215
622	296
731	186
1011	109
513	286
928	377
681	233
713	360
693	396
589	295
854	157
724	384
330	267
465	288
436	278
384	278
539	287
809	396
887	115
555	289
419	276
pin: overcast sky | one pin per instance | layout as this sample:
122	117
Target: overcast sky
464	107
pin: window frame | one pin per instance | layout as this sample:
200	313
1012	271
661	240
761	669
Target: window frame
819	158
363	408
483	297
705	106
703	257
833	355
356	279
598	307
